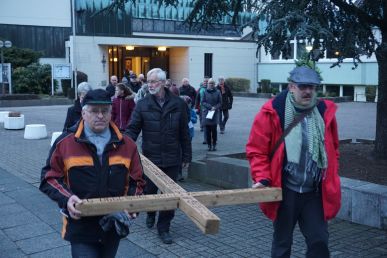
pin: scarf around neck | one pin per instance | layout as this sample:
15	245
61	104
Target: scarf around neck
315	131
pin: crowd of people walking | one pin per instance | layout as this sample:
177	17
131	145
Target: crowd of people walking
293	144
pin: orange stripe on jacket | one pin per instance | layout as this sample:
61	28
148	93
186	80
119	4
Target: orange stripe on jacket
118	160
77	162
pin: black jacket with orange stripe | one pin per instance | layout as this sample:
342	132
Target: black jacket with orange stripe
73	167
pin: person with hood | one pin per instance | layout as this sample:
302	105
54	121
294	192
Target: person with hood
123	106
294	144
74	113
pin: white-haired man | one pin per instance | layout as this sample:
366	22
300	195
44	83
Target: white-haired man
162	118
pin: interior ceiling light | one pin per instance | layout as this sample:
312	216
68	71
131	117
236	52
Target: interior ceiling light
162	48
129	47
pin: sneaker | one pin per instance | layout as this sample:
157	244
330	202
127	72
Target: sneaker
204	142
150	221
209	148
201	130
214	147
165	237
221	131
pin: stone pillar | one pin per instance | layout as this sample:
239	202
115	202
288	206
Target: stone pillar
341	91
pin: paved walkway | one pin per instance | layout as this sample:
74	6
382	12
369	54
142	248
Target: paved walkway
30	223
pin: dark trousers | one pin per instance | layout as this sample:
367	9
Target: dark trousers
212	135
307	210
223	117
108	249
165	217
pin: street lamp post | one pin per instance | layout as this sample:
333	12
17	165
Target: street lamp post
3	44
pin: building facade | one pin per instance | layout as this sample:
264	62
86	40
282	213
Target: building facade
133	37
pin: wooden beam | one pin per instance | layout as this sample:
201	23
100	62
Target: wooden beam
102	206
238	196
206	220
141	203
192	204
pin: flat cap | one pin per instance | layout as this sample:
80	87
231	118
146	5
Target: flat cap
97	97
304	75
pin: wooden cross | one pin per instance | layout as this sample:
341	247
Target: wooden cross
193	204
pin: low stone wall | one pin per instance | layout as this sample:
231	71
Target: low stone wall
36	102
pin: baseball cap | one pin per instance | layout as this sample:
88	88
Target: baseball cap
97	97
304	75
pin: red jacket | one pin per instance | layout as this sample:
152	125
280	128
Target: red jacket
267	129
122	112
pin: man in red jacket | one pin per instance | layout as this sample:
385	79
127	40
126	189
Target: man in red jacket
304	164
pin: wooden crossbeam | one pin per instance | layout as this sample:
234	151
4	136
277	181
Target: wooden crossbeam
206	220
193	204
102	206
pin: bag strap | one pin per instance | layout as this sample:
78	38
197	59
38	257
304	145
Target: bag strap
295	121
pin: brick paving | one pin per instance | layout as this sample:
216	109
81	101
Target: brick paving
30	223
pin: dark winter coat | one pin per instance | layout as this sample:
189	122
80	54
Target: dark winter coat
165	137
227	97
188	91
74	114
211	98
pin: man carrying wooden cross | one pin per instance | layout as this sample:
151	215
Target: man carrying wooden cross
162	118
93	159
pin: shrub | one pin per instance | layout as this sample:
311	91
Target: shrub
66	85
34	78
21	57
238	84
370	92
265	86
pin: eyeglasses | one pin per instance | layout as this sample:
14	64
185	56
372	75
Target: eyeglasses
97	111
306	86
152	81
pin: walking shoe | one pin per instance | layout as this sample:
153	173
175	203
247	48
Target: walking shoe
214	147
221	131
165	237
209	148
204	142
201	130
150	221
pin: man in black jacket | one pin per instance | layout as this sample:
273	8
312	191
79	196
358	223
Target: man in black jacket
162	118
187	90
227	100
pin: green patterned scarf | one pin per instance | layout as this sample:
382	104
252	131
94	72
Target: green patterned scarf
316	128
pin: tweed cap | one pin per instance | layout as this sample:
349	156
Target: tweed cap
304	75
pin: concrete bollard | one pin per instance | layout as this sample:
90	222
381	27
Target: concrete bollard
54	136
35	131
14	123
3	114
